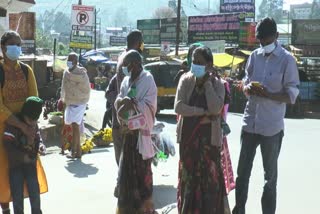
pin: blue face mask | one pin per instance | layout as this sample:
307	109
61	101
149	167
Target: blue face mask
69	64
125	71
13	52
198	70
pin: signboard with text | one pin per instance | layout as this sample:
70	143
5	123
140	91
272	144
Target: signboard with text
215	46
215	27
24	24
305	32
82	40
118	41
82	17
239	6
169	28
82	22
150	29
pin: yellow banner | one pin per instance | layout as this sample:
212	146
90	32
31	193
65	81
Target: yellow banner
80	45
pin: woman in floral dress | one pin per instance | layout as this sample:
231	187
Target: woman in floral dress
199	101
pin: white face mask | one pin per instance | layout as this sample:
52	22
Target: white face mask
269	48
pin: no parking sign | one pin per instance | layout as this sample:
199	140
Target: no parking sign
82	17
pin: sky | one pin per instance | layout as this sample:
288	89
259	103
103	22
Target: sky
288	2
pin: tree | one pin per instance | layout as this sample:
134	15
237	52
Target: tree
121	17
271	8
164	12
43	40
315	10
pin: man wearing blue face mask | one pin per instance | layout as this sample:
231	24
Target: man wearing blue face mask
75	93
270	83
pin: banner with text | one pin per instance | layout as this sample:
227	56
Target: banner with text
150	29
215	27
239	6
305	32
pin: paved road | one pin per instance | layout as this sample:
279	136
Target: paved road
87	186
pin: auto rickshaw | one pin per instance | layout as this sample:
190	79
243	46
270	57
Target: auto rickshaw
164	73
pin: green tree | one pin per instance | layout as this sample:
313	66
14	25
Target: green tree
315	10
43	40
164	12
271	8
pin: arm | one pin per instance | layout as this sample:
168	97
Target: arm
290	84
111	92
215	93
32	83
248	73
119	100
63	91
180	104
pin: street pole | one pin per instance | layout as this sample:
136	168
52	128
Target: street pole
178	27
208	6
79	3
288	26
95	29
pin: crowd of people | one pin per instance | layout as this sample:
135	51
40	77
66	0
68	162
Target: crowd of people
201	105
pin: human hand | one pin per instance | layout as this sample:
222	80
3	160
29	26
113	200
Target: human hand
28	131
127	102
256	88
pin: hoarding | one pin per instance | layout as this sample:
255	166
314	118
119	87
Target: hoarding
118	41
239	6
305	32
215	27
169	28
150	29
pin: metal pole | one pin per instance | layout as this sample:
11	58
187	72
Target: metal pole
288	26
99	33
208	6
80	2
54	53
178	27
95	29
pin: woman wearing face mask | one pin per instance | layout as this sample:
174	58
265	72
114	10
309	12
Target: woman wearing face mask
199	101
138	92
17	82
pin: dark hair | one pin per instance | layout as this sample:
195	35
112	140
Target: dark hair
205	52
133	38
132	56
267	27
192	47
8	35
